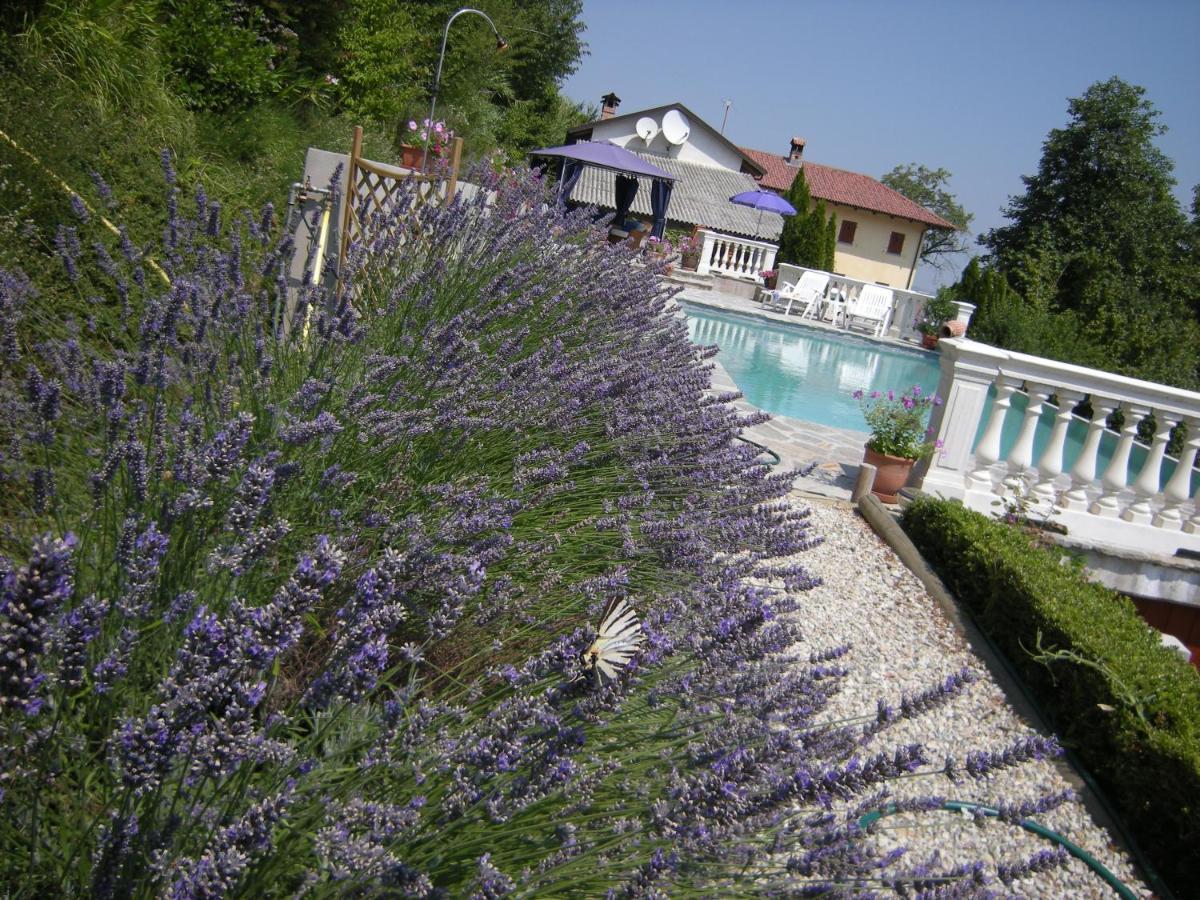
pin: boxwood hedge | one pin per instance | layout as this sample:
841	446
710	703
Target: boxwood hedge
1127	706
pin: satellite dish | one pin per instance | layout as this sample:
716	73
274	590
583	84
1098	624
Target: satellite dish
676	127
646	128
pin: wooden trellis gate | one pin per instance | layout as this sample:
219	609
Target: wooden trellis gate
372	188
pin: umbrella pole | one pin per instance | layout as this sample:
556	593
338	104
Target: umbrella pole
758	225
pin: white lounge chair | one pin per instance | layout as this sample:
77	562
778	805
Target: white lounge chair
773	296
803	293
872	308
807	293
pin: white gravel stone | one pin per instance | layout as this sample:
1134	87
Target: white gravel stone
903	643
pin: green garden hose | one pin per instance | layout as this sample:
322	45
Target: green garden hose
1074	849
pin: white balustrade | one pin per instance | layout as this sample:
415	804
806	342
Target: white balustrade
738	257
1122	503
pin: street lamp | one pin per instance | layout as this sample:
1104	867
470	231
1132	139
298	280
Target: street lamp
501	45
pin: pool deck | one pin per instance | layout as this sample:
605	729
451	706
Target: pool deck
837	452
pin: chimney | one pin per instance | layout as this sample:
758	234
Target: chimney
611	101
796	151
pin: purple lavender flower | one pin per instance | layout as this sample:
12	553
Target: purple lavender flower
982	762
29	599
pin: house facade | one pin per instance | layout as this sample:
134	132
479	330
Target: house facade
879	230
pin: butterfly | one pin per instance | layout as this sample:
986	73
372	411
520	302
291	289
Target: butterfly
618	639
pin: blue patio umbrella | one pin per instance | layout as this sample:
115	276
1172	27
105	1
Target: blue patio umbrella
760	200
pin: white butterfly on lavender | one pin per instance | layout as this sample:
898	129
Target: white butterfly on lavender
617	640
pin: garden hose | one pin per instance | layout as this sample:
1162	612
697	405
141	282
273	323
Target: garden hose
776	459
1029	825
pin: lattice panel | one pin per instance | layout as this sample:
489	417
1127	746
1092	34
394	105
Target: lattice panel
373	203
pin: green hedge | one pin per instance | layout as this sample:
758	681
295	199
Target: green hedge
1132	713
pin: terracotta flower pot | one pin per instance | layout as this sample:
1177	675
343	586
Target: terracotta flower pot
891	473
770	281
929	341
410	157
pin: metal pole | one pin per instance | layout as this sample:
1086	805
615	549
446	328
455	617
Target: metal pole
501	44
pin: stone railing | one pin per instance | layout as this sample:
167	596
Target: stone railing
1102	486
734	256
904	312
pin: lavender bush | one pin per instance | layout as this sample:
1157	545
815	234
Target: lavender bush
295	599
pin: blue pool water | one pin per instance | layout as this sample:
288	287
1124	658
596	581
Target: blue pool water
805	373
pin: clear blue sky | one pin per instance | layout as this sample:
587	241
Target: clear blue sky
973	87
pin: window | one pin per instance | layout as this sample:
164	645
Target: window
896	243
846	232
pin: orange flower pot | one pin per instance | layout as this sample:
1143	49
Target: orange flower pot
891	473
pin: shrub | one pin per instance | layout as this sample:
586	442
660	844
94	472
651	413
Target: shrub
1128	706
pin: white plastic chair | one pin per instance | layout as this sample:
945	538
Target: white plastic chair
771	297
807	292
872	308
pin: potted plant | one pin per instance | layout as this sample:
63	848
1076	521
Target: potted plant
769	277
899	436
658	247
428	140
689	252
933	314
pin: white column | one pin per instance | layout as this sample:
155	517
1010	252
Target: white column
987	452
1177	489
1145	487
967	371
1050	463
1116	475
1020	458
769	258
707	248
1083	473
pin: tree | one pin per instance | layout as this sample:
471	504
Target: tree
927	187
1102	192
802	241
1100	257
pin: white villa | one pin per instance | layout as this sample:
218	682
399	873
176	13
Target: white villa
879	229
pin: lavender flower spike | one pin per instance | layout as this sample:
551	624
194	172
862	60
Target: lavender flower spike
30	597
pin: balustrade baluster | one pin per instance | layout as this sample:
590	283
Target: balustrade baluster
1117	474
1050	464
987	453
1083	473
1020	458
1179	487
1146	485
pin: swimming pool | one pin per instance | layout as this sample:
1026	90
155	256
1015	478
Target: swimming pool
806	373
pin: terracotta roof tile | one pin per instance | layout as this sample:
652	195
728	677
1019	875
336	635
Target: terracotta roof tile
840	186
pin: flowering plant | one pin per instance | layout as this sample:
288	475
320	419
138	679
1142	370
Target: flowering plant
431	135
658	245
768	274
898	422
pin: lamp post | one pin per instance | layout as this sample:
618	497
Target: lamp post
501	45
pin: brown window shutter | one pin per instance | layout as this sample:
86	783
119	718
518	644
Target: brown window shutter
896	243
846	232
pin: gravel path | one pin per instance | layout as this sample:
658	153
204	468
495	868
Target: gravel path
903	642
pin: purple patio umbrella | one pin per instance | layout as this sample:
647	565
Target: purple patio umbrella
760	200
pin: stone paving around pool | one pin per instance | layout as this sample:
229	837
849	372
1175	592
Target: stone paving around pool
837	452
